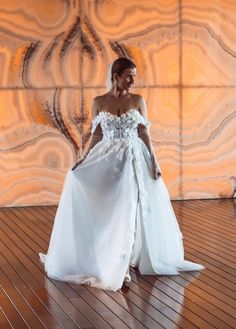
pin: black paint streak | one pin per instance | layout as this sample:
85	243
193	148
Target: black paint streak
90	41
30	52
120	49
71	36
87	46
51	49
95	38
58	120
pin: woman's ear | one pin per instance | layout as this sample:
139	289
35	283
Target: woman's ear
115	77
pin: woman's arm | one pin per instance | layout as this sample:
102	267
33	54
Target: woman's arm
94	138
143	133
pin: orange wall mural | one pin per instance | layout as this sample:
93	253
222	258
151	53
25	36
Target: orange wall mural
53	60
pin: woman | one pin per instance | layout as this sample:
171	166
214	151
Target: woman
115	210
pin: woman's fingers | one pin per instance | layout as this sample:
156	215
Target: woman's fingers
77	163
156	172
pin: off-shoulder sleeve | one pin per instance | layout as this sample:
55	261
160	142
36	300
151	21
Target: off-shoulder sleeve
95	123
144	121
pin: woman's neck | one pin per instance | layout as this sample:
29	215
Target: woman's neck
117	92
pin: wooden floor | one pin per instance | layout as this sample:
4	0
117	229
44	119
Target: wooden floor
190	300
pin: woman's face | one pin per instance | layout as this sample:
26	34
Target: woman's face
126	79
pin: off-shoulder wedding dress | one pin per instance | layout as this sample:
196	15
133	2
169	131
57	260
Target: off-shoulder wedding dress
113	214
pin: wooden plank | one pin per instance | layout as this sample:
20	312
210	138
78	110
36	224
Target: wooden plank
24	301
75	300
187	306
159	310
96	304
26	229
128	317
4	323
186	309
10	311
56	302
162	319
190	300
139	312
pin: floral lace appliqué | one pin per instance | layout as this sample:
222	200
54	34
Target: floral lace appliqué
124	126
120	136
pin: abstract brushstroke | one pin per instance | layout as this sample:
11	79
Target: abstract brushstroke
40	38
39	141
146	31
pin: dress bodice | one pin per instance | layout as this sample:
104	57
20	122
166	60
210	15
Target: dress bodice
124	126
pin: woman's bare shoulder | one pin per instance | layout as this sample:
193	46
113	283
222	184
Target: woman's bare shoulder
140	104
138	100
98	100
137	97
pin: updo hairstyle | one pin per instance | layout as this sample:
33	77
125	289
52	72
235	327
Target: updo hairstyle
121	64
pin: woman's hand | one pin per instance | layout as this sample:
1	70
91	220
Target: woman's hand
77	163
155	170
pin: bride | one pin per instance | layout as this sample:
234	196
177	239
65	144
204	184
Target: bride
115	211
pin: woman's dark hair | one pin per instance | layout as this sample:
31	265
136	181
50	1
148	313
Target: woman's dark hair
120	64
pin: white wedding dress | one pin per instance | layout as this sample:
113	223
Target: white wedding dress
113	214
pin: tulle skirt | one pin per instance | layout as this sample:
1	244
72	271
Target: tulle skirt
112	214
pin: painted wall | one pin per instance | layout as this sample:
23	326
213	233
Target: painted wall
53	61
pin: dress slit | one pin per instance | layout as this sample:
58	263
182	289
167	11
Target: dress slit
137	240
